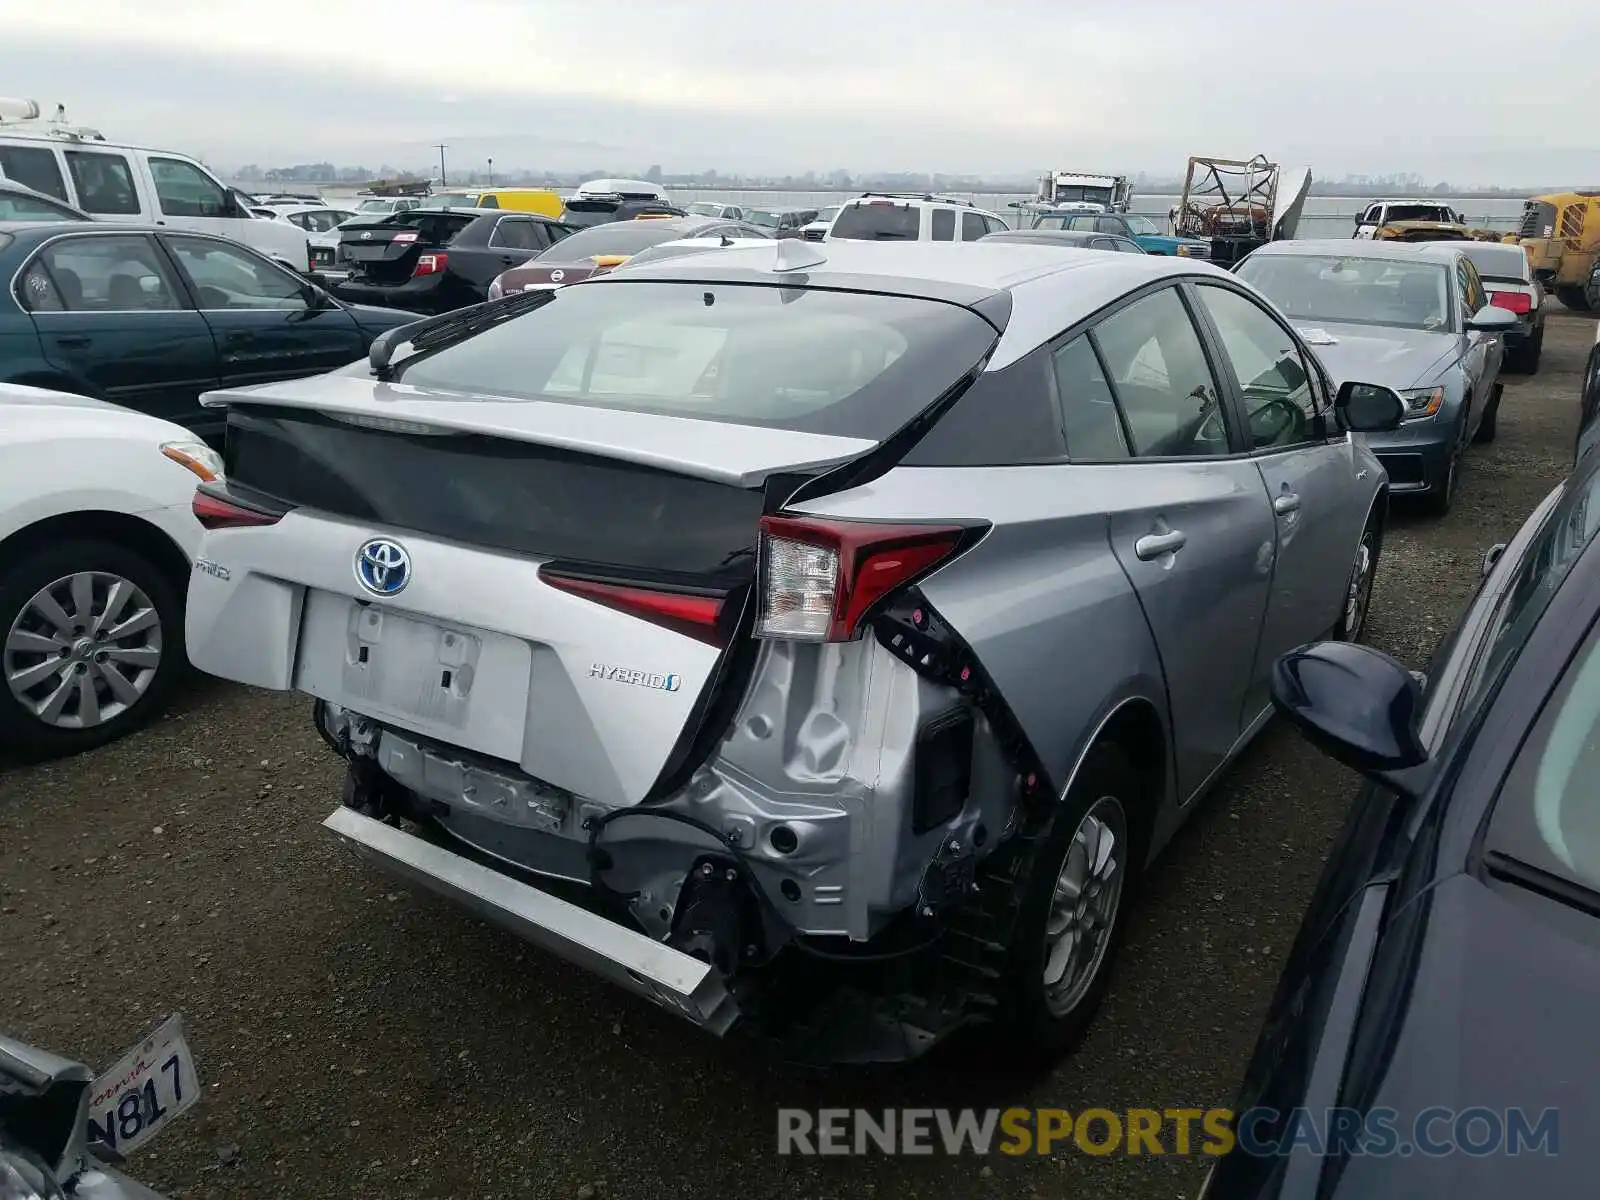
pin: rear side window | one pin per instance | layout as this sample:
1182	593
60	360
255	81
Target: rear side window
513	234
809	360
615	237
109	273
489	201
103	182
1088	409
34	167
944	225
878	221
972	227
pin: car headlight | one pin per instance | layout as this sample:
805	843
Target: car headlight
1421	402
196	457
24	1177
495	289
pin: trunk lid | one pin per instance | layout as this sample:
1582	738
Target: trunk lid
387	251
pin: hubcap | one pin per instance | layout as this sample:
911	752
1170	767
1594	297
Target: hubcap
1083	907
1355	603
83	651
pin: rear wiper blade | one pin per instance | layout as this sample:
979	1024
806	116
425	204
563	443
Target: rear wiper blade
432	333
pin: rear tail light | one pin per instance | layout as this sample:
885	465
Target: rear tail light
221	512
1517	302
693	614
404	239
820	579
430	264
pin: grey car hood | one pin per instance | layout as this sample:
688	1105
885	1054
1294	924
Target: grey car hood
1383	354
743	455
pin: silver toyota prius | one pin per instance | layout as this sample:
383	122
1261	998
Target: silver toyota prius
814	639
1414	316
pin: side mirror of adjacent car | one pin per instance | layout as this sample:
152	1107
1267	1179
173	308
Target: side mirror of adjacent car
1491	319
1369	407
1356	704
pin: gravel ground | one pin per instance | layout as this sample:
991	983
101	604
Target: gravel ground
358	1042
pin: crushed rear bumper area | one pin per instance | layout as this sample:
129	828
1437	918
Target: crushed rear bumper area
668	977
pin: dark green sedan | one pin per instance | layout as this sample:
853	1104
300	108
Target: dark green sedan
149	318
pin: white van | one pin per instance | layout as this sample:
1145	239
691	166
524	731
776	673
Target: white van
112	182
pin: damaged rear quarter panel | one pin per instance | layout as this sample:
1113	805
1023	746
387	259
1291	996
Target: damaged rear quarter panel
1041	599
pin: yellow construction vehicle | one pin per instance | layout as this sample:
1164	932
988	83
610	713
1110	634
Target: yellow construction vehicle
1561	236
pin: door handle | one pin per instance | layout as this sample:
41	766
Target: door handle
1154	545
74	341
1286	504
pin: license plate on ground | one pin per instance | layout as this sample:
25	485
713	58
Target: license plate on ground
144	1091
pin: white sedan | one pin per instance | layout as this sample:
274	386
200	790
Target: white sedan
97	541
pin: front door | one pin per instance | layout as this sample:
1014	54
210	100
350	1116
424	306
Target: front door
264	320
1310	478
1191	527
112	317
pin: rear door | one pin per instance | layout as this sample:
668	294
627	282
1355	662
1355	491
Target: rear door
1191	528
106	186
114	317
261	317
1319	502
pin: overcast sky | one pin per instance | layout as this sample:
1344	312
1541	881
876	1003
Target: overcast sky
1474	91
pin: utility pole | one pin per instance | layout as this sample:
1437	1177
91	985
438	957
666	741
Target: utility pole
491	172
441	148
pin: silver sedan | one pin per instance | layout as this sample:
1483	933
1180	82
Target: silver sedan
1413	316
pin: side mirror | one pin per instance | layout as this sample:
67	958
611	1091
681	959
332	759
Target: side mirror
1356	704
1369	407
1490	319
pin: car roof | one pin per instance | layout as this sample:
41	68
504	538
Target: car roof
1440	252
1047	291
15	227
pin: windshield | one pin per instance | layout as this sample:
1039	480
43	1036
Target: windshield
811	360
1354	291
760	216
451	200
878	221
1420	213
376	206
827	214
1073	193
705	208
1141	225
614	237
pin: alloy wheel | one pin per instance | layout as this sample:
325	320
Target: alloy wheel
83	651
1084	905
1359	596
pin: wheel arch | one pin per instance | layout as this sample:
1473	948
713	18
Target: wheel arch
1136	725
133	532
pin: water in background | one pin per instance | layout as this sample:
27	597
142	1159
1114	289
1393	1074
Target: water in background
1323	216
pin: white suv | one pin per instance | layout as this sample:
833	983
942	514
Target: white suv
911	217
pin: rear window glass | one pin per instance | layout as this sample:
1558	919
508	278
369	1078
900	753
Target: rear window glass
1419	212
804	359
878	221
1497	262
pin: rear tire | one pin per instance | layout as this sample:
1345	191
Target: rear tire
1073	909
1358	588
1575	298
1486	427
1524	360
91	644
